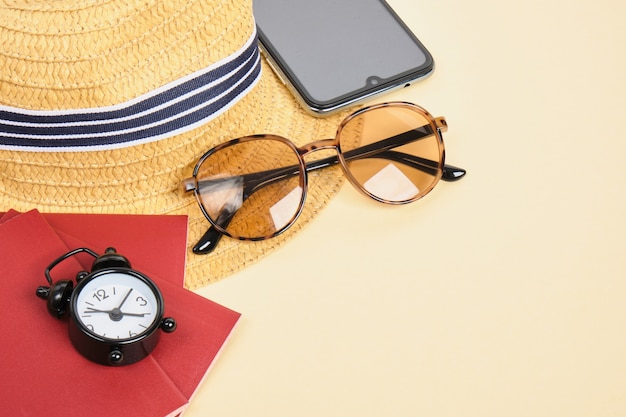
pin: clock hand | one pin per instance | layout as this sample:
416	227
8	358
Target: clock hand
116	314
125	298
134	314
94	310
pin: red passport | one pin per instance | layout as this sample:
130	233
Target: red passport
155	244
47	375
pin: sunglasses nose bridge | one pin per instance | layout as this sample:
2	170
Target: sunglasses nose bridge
317	145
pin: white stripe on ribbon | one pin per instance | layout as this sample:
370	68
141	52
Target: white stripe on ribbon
174	108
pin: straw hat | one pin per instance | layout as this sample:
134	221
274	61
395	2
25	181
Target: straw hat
105	107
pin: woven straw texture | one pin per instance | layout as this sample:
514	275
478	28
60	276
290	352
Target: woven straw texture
58	55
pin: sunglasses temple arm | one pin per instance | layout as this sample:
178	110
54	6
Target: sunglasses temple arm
208	242
382	149
452	173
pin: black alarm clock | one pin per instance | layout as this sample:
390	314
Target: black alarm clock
115	312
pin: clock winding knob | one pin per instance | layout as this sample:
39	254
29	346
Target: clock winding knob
116	357
168	325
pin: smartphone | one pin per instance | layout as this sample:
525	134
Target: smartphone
336	53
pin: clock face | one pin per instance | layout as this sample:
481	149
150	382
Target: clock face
116	305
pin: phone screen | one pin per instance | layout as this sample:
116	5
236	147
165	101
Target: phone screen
335	52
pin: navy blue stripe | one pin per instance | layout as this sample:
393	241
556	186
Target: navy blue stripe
144	105
172	125
164	113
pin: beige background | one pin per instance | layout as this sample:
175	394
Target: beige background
500	295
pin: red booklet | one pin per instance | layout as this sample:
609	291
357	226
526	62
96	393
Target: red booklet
155	245
48	376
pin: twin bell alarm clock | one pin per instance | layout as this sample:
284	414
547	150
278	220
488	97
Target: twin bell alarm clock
115	312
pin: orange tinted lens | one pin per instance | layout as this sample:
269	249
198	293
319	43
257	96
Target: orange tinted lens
393	153
252	189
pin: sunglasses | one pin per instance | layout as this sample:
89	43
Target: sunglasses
254	187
